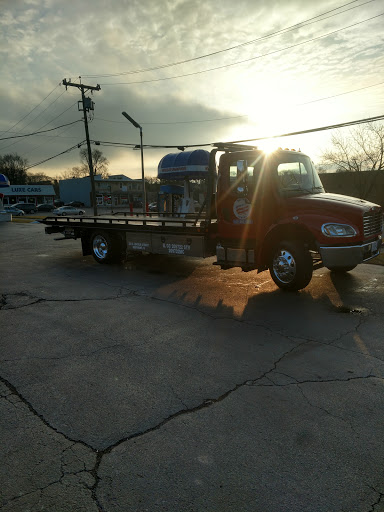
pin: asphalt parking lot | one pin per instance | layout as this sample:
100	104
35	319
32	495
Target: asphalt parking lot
166	384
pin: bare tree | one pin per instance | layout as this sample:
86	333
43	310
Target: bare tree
65	175
40	177
359	151
100	163
100	166
13	166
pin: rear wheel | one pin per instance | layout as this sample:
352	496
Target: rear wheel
105	248
291	265
341	270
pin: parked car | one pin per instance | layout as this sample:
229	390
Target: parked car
26	207
152	207
76	204
57	203
45	207
15	211
68	210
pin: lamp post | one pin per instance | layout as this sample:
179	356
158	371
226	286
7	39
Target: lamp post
136	125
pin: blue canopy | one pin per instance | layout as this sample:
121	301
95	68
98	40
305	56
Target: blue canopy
4	181
177	166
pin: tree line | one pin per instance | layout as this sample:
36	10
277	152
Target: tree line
14	167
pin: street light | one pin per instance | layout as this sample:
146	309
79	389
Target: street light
136	125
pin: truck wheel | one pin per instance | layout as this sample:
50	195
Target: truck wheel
291	265
105	248
341	270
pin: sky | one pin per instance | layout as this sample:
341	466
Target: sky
190	72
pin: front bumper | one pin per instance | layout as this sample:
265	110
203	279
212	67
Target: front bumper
347	256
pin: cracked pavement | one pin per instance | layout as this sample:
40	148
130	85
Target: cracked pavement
166	384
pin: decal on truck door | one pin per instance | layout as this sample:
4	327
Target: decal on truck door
242	209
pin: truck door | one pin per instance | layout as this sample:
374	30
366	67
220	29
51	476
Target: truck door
239	194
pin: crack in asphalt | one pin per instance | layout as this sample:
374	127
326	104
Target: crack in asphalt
4	304
378	501
205	404
41	490
100	453
345	420
13	391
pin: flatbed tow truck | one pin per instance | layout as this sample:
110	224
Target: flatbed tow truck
261	211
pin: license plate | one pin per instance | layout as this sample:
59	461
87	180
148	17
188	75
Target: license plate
374	246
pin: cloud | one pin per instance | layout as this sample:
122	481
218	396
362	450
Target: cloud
44	41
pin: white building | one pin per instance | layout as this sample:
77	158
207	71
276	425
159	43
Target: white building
33	194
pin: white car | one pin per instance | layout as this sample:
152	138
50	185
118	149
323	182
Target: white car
68	210
15	211
152	207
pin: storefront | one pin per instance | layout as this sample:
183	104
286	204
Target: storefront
116	190
33	194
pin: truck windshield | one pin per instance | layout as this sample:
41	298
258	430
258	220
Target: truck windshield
296	175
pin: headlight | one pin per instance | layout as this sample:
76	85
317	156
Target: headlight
338	230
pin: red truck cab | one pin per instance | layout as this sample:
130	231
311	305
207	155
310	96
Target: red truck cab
273	212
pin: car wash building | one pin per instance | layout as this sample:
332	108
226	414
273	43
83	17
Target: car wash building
32	194
185	166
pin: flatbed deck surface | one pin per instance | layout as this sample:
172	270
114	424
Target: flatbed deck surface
146	223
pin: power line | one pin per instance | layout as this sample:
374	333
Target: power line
341	94
246	60
175	122
184	146
55	156
30	112
273	34
238	117
42	131
49	122
40	113
312	130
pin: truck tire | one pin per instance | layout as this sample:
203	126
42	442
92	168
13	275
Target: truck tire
291	265
341	270
105	248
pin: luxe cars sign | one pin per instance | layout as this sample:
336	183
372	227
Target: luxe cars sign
46	190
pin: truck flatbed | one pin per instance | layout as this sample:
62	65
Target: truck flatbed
144	223
110	237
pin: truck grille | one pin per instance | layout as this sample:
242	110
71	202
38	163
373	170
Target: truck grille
372	223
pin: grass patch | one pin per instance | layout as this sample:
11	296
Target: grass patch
26	220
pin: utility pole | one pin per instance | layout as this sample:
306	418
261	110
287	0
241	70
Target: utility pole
87	105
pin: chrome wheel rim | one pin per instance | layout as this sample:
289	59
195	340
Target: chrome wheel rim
284	266
100	247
